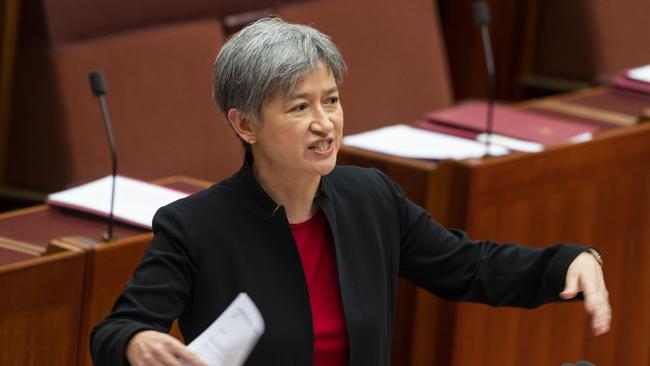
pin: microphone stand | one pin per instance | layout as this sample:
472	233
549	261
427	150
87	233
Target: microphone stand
98	85
482	19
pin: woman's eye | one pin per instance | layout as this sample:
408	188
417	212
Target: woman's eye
299	108
332	100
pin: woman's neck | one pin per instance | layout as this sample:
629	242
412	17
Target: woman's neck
295	193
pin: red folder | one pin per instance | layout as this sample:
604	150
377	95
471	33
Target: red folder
447	130
510	122
623	82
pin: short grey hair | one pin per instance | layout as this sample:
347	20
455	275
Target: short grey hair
266	57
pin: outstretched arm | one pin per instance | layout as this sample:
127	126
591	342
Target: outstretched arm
586	275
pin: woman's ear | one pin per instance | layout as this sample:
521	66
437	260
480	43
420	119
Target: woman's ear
242	124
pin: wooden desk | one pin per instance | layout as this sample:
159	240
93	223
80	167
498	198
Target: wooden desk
40	303
49	304
597	192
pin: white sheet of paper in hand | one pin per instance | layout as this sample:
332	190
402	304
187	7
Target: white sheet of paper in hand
230	339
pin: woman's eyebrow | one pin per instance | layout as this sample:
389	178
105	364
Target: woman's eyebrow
305	95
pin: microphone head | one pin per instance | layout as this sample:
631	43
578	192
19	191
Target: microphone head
98	82
481	13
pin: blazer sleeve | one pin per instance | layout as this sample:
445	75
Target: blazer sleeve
450	265
155	296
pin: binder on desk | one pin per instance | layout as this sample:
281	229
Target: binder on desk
447	129
635	80
510	122
623	82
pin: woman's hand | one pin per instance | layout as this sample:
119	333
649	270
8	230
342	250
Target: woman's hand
585	274
149	348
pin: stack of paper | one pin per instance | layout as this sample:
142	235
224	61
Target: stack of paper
136	202
410	142
641	74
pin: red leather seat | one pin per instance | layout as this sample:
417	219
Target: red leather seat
397	67
159	96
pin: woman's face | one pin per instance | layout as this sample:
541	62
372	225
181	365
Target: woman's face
300	134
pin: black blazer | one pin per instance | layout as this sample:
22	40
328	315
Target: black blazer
233	238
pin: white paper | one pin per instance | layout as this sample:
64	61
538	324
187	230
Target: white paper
417	143
136	202
585	136
640	74
230	339
511	143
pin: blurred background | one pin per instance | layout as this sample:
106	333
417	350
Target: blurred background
421	54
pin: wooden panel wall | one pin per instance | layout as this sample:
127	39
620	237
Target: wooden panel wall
597	193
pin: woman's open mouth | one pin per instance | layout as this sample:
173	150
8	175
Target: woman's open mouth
322	146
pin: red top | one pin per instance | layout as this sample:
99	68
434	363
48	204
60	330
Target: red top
314	240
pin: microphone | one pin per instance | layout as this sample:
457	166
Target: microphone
99	88
580	363
482	20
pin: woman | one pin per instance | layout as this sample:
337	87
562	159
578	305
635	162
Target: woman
318	248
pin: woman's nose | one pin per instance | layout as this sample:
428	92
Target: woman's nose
322	122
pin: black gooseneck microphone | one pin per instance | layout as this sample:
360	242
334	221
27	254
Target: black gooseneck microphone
99	88
482	20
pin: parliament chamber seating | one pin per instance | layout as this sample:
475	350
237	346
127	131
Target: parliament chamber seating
159	84
544	47
390	48
164	120
159	91
157	57
56	22
597	39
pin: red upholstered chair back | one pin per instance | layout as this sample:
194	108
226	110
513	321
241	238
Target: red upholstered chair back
159	87
397	66
159	96
63	21
591	40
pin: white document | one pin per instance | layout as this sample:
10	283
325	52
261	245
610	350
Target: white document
640	74
417	143
511	142
230	339
136	202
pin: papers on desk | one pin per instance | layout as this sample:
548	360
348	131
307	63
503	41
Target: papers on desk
136	202
231	338
640	74
636	79
511	142
410	142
